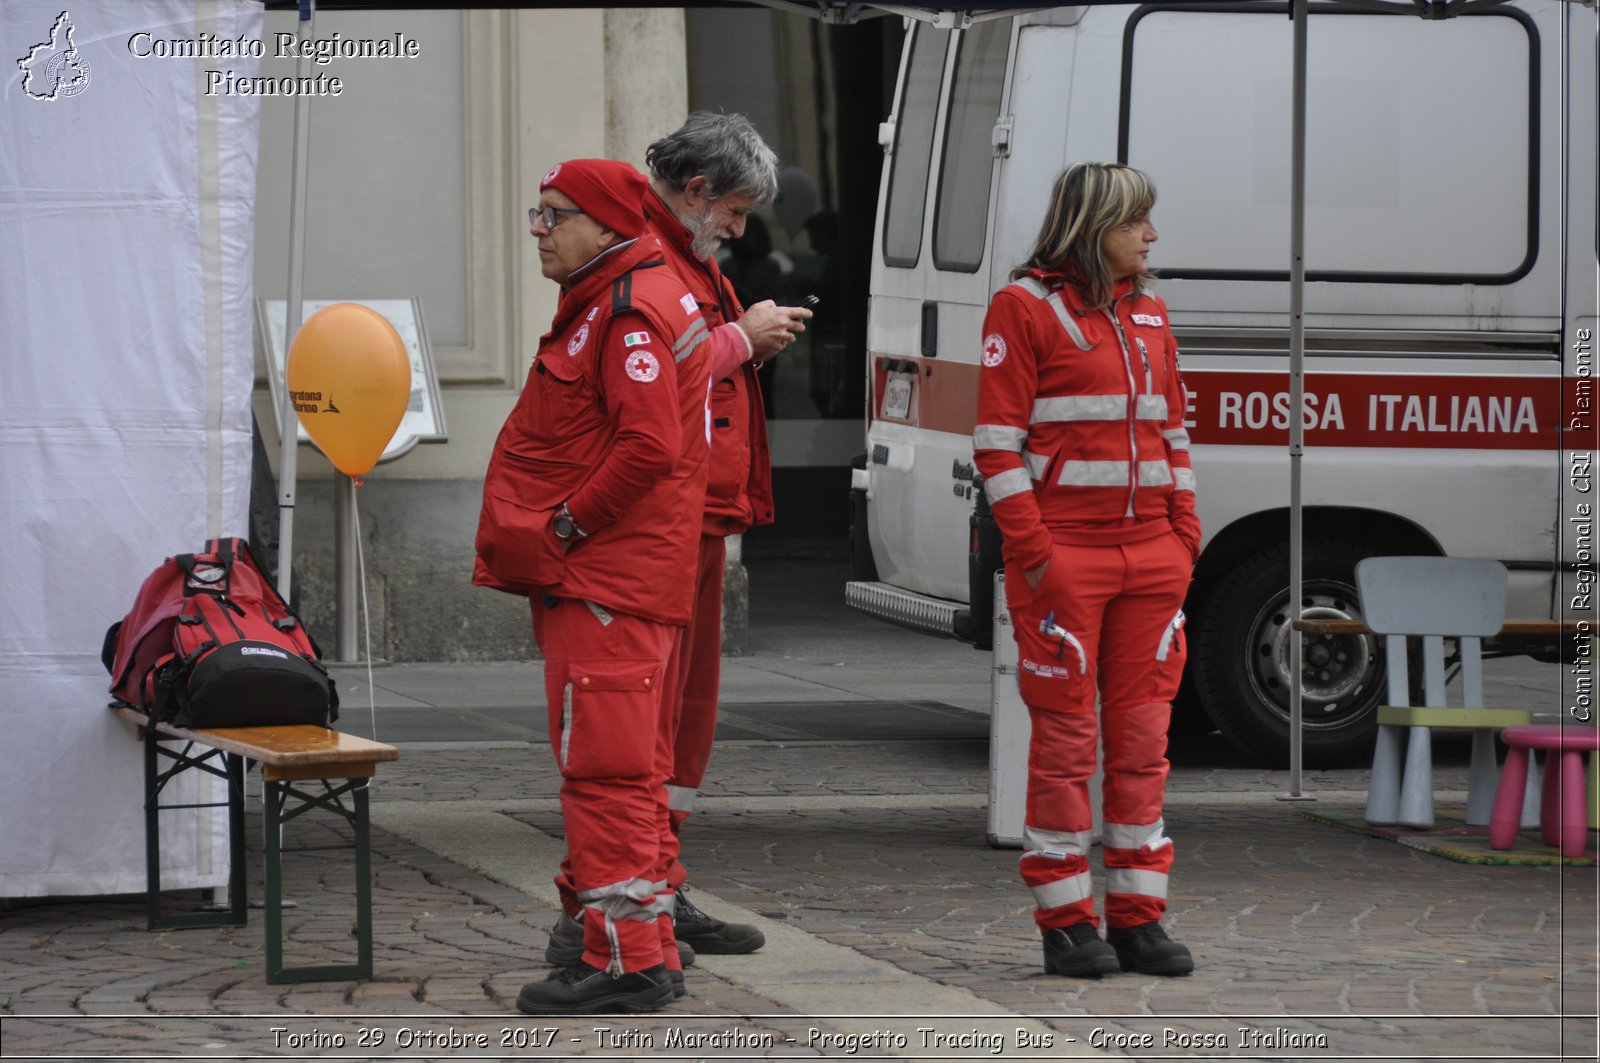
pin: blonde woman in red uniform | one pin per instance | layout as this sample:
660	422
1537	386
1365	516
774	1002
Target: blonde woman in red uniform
1081	443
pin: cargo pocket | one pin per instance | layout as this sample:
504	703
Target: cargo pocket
609	716
515	542
1053	668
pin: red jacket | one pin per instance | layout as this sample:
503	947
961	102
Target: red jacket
739	482
1080	433
612	421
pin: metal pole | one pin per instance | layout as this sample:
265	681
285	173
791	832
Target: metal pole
288	423
1297	354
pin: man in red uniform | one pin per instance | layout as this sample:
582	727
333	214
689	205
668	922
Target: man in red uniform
591	508
707	177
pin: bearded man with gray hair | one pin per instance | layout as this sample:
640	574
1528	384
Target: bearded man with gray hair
706	179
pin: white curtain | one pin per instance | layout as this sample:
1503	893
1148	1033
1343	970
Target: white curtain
126	220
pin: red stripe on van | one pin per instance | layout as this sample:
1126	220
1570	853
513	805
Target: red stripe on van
1341	409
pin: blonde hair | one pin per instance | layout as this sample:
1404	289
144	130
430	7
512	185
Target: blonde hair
1089	198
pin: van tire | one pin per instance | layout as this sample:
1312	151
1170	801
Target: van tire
1189	717
1238	659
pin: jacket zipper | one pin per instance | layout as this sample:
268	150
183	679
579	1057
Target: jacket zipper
1133	404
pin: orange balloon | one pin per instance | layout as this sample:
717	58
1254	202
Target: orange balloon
350	381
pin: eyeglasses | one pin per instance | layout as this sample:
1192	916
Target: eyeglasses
551	216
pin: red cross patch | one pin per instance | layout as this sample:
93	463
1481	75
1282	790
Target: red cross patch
643	367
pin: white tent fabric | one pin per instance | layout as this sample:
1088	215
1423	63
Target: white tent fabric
126	359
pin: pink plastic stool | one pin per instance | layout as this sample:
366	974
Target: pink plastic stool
1564	799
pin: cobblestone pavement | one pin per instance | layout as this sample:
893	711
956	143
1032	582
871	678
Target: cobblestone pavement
894	929
1304	934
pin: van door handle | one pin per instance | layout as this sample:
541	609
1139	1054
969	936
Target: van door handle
930	329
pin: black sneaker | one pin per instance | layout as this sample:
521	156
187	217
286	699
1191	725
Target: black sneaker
566	944
712	936
1147	949
1077	951
679	990
586	990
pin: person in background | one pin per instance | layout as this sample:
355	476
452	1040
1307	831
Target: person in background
591	508
1081	443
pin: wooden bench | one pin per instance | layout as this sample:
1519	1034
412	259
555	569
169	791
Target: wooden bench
288	757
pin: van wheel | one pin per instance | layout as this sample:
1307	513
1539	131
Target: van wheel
1189	717
1240	660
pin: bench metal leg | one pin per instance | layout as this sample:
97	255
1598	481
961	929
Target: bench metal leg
155	780
278	812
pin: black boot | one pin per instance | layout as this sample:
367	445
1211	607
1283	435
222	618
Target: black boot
586	990
1147	949
1078	952
709	935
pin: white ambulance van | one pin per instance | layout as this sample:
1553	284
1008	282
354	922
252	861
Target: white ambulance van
1450	309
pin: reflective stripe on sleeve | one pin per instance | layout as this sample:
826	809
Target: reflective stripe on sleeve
696	334
1151	408
1182	479
1067	890
1154	474
998	437
1036	463
1011	482
1135	835
1177	438
1082	408
680	798
1130	880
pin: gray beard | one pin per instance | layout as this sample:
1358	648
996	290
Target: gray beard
705	241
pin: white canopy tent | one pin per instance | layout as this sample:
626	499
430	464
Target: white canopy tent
127	216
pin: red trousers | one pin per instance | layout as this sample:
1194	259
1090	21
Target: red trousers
1106	620
694	704
607	676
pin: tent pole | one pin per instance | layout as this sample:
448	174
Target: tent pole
1297	353
288	423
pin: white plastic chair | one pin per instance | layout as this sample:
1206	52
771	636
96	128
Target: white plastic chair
1432	598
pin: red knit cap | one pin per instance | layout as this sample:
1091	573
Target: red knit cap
612	193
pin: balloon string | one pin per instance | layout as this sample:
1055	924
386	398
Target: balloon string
366	619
